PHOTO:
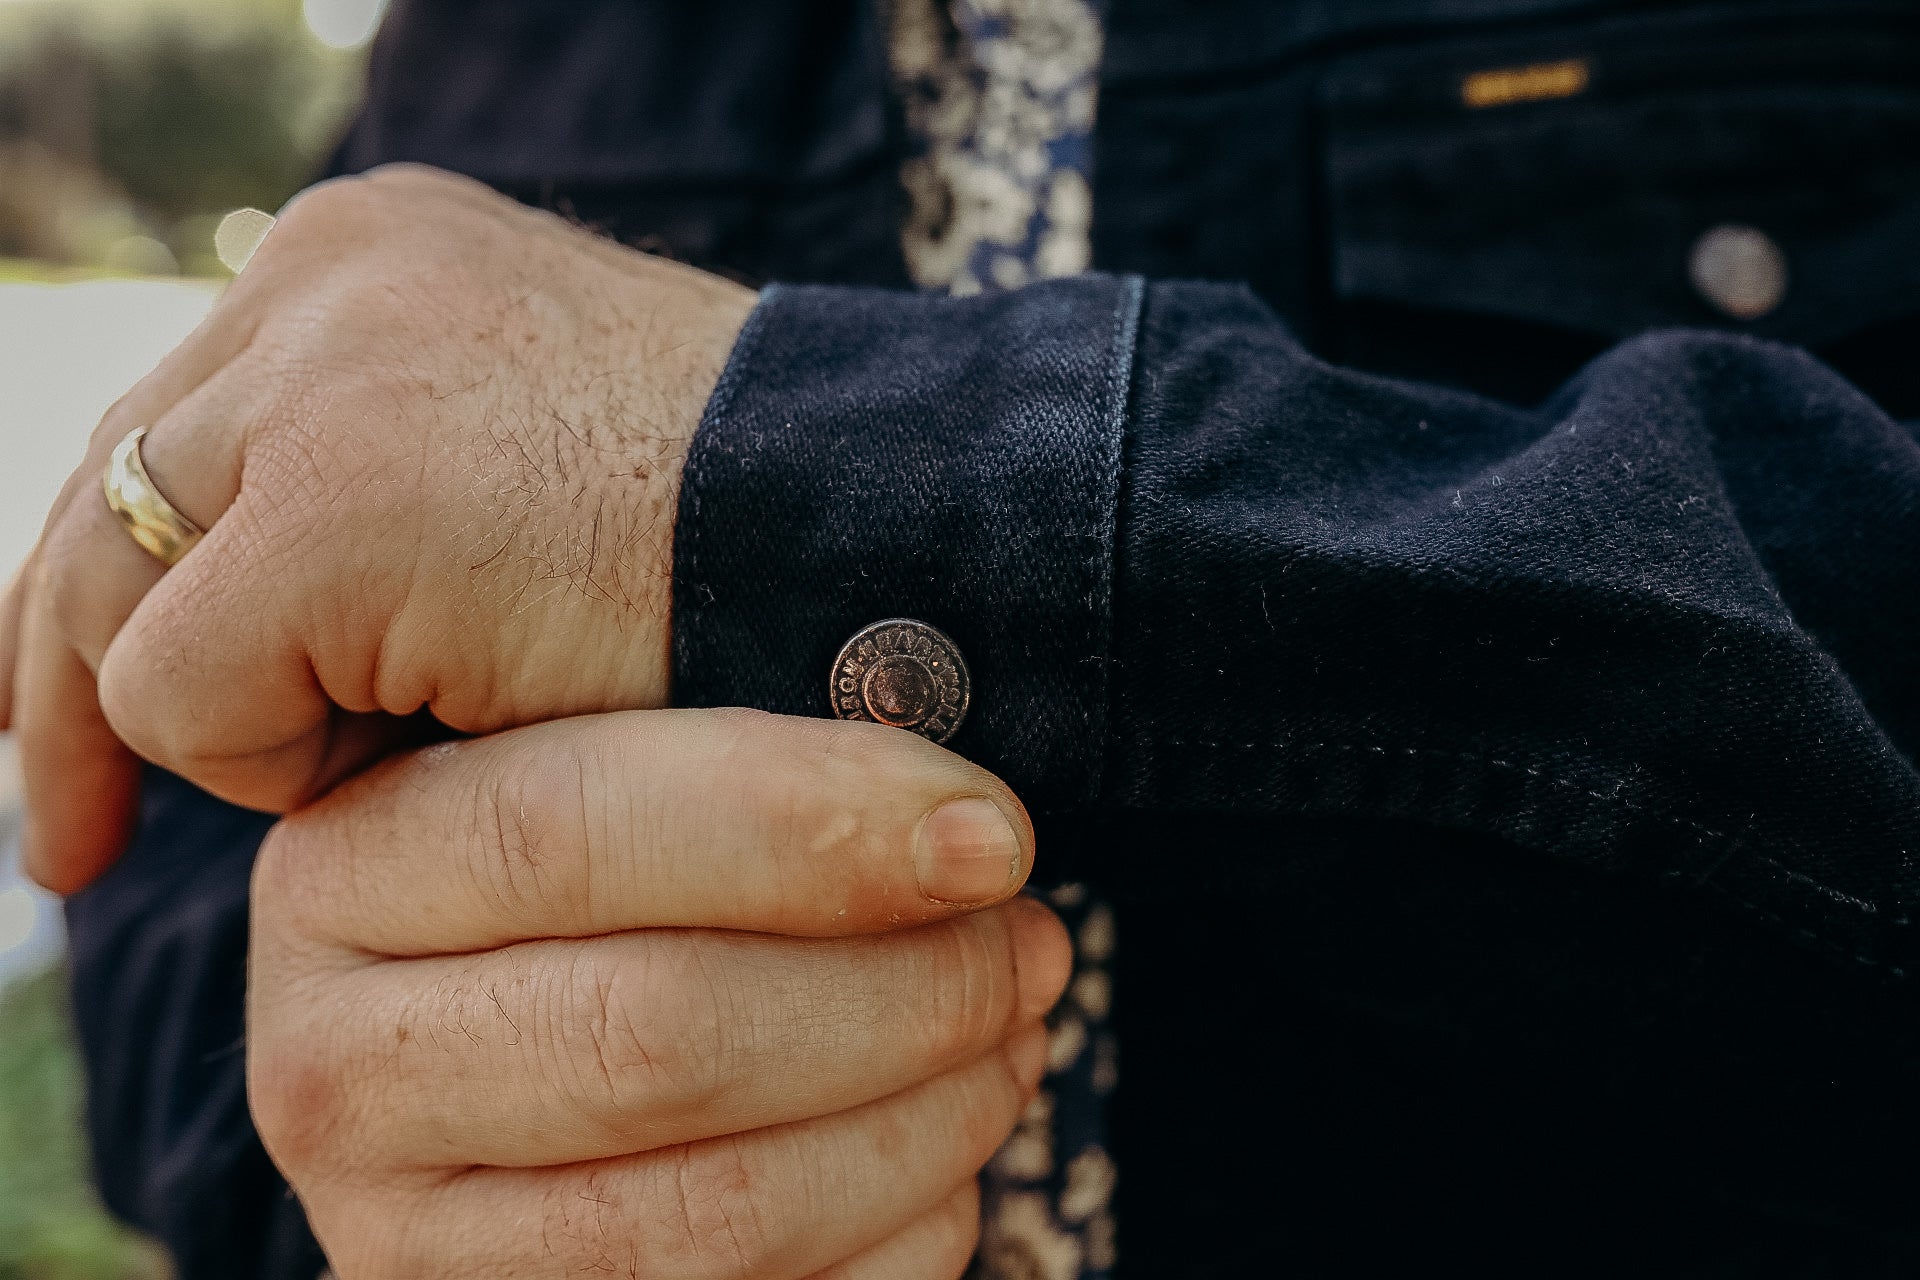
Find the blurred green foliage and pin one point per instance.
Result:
(128, 127)
(51, 1225)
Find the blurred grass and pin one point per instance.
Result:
(51, 1224)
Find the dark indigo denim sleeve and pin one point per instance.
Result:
(1662, 623)
(876, 454)
(159, 949)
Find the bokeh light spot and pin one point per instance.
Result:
(238, 235)
(344, 24)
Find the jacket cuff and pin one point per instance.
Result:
(869, 455)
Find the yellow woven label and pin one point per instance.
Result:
(1504, 86)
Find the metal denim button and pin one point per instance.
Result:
(904, 673)
(1739, 270)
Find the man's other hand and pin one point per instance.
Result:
(696, 994)
(435, 439)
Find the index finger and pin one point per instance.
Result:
(644, 819)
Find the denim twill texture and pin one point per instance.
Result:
(1608, 629)
(978, 442)
(159, 959)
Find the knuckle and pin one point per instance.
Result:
(579, 1211)
(128, 704)
(63, 579)
(278, 888)
(151, 681)
(329, 210)
(825, 803)
(711, 1220)
(303, 881)
(411, 176)
(858, 749)
(691, 1213)
(532, 854)
(302, 1082)
(298, 1090)
(368, 1238)
(117, 420)
(622, 1056)
(652, 1039)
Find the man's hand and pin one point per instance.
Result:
(435, 439)
(517, 1005)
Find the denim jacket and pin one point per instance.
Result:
(1459, 609)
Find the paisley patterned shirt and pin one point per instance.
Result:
(999, 99)
(1046, 1199)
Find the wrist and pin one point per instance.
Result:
(680, 327)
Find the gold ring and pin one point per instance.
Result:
(155, 523)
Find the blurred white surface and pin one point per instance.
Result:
(67, 351)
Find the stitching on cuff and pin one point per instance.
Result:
(1120, 368)
(685, 569)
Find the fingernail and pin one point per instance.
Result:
(966, 852)
(1027, 1055)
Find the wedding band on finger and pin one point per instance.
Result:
(155, 523)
